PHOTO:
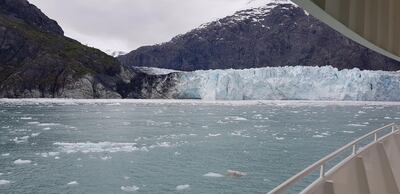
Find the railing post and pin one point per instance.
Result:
(354, 149)
(322, 171)
(375, 136)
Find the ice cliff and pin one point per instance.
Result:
(288, 83)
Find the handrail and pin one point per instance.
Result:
(321, 164)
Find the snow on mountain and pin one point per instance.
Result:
(255, 10)
(289, 83)
(114, 53)
(260, 3)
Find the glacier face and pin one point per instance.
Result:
(289, 83)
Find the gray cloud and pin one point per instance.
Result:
(128, 24)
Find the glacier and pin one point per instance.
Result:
(289, 83)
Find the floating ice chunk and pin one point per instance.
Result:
(236, 118)
(106, 157)
(4, 182)
(214, 175)
(325, 134)
(90, 147)
(19, 140)
(318, 136)
(387, 118)
(234, 173)
(33, 123)
(348, 132)
(129, 188)
(73, 183)
(361, 112)
(48, 124)
(126, 177)
(114, 104)
(182, 187)
(279, 138)
(20, 161)
(35, 134)
(26, 118)
(5, 154)
(356, 125)
(162, 145)
(46, 128)
(214, 135)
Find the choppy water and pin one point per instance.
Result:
(172, 147)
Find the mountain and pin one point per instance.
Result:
(36, 60)
(277, 34)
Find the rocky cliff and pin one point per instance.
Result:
(36, 60)
(278, 34)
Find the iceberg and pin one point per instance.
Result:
(289, 83)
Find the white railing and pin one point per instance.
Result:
(321, 164)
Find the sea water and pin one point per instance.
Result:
(69, 146)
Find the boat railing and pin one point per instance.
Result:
(322, 164)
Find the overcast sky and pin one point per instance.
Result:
(124, 25)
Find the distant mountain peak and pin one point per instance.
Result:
(261, 3)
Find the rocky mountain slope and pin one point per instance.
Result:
(278, 34)
(36, 60)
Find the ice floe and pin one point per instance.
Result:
(90, 147)
(132, 188)
(19, 140)
(235, 118)
(20, 161)
(5, 154)
(48, 124)
(35, 134)
(235, 173)
(73, 183)
(356, 125)
(106, 157)
(33, 123)
(182, 187)
(214, 135)
(213, 174)
(4, 182)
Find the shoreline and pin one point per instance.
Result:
(33, 101)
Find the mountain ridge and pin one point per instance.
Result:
(278, 34)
